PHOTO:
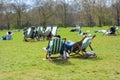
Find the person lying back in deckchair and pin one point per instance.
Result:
(76, 47)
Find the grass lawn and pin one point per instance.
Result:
(21, 60)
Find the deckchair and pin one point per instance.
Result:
(55, 46)
(47, 31)
(54, 30)
(39, 32)
(81, 45)
(29, 33)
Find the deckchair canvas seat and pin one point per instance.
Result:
(29, 33)
(86, 42)
(47, 31)
(39, 30)
(55, 46)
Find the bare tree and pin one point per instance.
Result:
(45, 11)
(87, 8)
(116, 9)
(19, 7)
(66, 12)
(1, 13)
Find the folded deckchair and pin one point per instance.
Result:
(54, 30)
(55, 46)
(81, 45)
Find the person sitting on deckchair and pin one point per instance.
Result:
(73, 46)
(56, 45)
(81, 45)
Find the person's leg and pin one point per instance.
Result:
(4, 37)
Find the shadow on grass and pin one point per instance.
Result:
(60, 61)
(89, 58)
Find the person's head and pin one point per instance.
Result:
(85, 33)
(9, 32)
(58, 36)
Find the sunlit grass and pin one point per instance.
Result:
(21, 60)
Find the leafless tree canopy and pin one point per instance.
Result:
(23, 13)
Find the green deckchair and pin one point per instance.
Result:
(39, 32)
(55, 46)
(29, 33)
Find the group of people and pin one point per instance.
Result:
(8, 36)
(71, 46)
(113, 30)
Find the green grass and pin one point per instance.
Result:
(21, 60)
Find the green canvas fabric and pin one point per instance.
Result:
(29, 33)
(56, 45)
(39, 30)
(47, 31)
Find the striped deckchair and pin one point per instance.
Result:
(39, 29)
(56, 45)
(47, 31)
(86, 42)
(39, 32)
(82, 45)
(54, 30)
(29, 33)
